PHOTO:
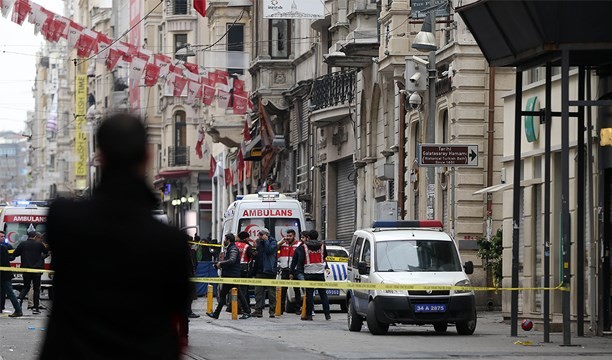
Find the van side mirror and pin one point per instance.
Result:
(469, 267)
(363, 268)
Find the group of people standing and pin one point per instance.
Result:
(265, 258)
(33, 252)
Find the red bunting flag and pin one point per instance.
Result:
(200, 7)
(74, 32)
(240, 158)
(240, 102)
(221, 77)
(229, 178)
(113, 58)
(192, 68)
(208, 95)
(179, 85)
(84, 45)
(224, 99)
(238, 85)
(20, 11)
(151, 74)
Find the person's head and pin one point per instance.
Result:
(290, 235)
(38, 237)
(304, 235)
(122, 144)
(229, 238)
(243, 236)
(313, 234)
(32, 234)
(263, 234)
(2, 236)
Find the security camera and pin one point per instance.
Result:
(420, 60)
(415, 101)
(415, 78)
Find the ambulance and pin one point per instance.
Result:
(16, 220)
(271, 210)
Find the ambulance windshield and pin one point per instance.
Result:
(278, 226)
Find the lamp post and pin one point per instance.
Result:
(425, 41)
(176, 203)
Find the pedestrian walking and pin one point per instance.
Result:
(265, 268)
(6, 278)
(286, 249)
(246, 261)
(33, 255)
(296, 271)
(137, 291)
(311, 257)
(230, 268)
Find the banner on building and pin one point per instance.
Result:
(291, 9)
(81, 136)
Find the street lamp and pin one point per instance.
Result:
(425, 41)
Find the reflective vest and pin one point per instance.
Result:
(243, 251)
(314, 260)
(285, 253)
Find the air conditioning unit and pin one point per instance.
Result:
(386, 210)
(384, 171)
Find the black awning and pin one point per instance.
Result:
(526, 33)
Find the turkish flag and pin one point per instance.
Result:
(213, 166)
(200, 7)
(247, 131)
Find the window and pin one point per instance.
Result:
(235, 42)
(356, 253)
(366, 256)
(417, 256)
(180, 129)
(180, 7)
(279, 38)
(278, 226)
(180, 40)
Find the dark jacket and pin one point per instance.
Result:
(111, 250)
(32, 254)
(5, 261)
(230, 267)
(265, 258)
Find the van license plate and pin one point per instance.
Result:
(429, 308)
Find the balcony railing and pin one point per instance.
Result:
(333, 89)
(178, 156)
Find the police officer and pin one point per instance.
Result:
(286, 249)
(246, 260)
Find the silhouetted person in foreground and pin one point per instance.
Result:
(121, 277)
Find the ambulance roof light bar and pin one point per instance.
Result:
(268, 195)
(381, 224)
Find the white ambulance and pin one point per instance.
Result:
(271, 210)
(16, 220)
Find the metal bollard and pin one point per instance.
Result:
(234, 304)
(209, 299)
(279, 300)
(304, 304)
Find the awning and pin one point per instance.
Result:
(502, 187)
(176, 174)
(528, 33)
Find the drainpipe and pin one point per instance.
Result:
(401, 156)
(490, 149)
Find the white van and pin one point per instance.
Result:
(272, 210)
(414, 253)
(15, 221)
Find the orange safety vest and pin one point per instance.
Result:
(243, 250)
(285, 253)
(314, 261)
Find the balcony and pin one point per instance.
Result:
(178, 156)
(180, 15)
(179, 7)
(332, 95)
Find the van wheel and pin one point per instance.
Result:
(355, 321)
(440, 327)
(376, 327)
(466, 327)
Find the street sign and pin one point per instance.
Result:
(448, 155)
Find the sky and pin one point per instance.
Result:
(18, 47)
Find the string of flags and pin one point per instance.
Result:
(145, 68)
